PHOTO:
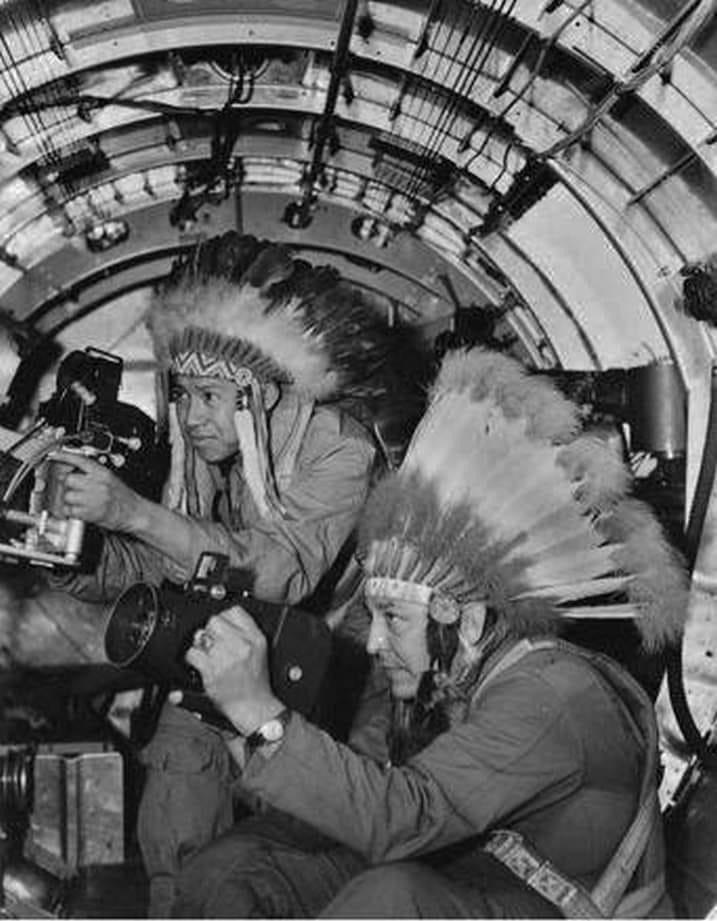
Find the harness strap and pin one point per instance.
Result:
(573, 900)
(611, 886)
(521, 858)
(641, 902)
(606, 898)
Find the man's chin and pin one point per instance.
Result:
(207, 456)
(403, 686)
(209, 452)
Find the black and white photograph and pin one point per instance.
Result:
(358, 446)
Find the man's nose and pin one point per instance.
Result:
(376, 636)
(195, 412)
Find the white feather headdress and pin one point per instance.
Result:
(501, 499)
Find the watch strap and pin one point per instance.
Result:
(258, 738)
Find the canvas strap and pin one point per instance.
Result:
(573, 900)
(606, 898)
(514, 852)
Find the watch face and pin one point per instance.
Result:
(273, 730)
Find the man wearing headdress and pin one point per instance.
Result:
(257, 344)
(518, 777)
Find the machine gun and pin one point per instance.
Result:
(83, 416)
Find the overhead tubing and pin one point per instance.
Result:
(205, 114)
(457, 71)
(526, 24)
(301, 214)
(492, 126)
(545, 46)
(552, 39)
(345, 203)
(483, 42)
(226, 128)
(12, 77)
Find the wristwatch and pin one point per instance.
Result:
(269, 732)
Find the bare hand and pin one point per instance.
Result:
(230, 654)
(91, 492)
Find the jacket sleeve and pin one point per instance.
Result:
(287, 556)
(122, 562)
(508, 750)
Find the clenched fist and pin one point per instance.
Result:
(230, 654)
(93, 493)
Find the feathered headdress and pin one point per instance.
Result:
(247, 311)
(501, 499)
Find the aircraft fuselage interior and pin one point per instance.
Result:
(537, 177)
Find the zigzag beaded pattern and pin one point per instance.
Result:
(195, 364)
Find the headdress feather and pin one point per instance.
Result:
(501, 498)
(235, 301)
(248, 311)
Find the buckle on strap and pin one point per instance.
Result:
(510, 848)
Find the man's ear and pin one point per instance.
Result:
(271, 393)
(472, 621)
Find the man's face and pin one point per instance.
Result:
(205, 409)
(398, 638)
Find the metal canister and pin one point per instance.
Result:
(657, 409)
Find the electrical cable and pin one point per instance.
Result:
(36, 52)
(494, 25)
(500, 21)
(27, 467)
(26, 436)
(27, 115)
(225, 133)
(411, 177)
(693, 534)
(546, 46)
(324, 126)
(435, 139)
(485, 41)
(418, 51)
(457, 66)
(9, 77)
(511, 143)
(64, 111)
(426, 81)
(427, 85)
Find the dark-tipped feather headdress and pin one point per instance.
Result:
(248, 311)
(501, 499)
